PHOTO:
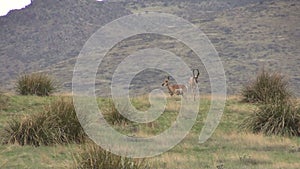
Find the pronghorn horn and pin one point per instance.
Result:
(194, 72)
(197, 72)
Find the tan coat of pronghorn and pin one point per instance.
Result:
(193, 81)
(174, 89)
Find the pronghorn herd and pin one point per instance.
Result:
(179, 89)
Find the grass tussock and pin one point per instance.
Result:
(94, 156)
(277, 114)
(267, 88)
(112, 114)
(57, 124)
(3, 101)
(278, 119)
(35, 84)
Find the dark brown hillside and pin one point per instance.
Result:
(248, 34)
(48, 32)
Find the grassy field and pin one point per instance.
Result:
(229, 147)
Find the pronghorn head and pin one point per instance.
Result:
(196, 74)
(174, 88)
(166, 82)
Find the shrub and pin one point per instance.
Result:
(94, 156)
(267, 88)
(279, 119)
(57, 124)
(35, 84)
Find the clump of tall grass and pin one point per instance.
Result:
(62, 118)
(267, 88)
(3, 101)
(113, 115)
(274, 119)
(26, 131)
(277, 113)
(57, 124)
(35, 84)
(93, 156)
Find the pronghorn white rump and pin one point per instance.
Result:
(193, 82)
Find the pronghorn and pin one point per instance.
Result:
(174, 89)
(193, 82)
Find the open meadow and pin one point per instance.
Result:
(246, 49)
(229, 146)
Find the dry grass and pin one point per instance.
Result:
(93, 156)
(58, 156)
(281, 165)
(173, 160)
(258, 141)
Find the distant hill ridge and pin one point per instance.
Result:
(248, 34)
(49, 31)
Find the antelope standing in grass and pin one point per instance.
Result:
(193, 82)
(174, 89)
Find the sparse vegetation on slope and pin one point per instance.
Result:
(246, 34)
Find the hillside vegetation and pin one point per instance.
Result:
(246, 34)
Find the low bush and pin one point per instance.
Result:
(94, 156)
(267, 88)
(56, 125)
(274, 119)
(35, 84)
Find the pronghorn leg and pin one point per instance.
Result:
(194, 93)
